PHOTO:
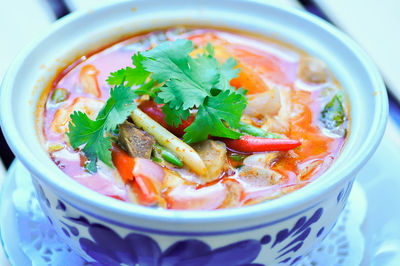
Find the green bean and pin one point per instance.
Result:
(168, 155)
(59, 95)
(257, 132)
(237, 157)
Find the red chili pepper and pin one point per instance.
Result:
(248, 143)
(153, 110)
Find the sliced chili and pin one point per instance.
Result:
(249, 144)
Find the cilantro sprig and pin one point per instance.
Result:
(182, 83)
(92, 133)
(192, 83)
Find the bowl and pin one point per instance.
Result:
(112, 232)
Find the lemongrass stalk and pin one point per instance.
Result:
(188, 155)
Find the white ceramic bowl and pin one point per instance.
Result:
(113, 232)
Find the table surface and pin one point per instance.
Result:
(21, 21)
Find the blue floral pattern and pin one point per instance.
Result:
(137, 249)
(107, 247)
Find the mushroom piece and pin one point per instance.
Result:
(313, 71)
(266, 103)
(259, 177)
(213, 154)
(136, 142)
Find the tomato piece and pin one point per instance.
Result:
(154, 110)
(123, 162)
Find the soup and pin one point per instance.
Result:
(195, 119)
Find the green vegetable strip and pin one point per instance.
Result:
(59, 95)
(333, 113)
(257, 132)
(237, 157)
(168, 155)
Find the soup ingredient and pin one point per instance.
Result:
(237, 157)
(154, 110)
(59, 95)
(256, 131)
(62, 117)
(92, 133)
(123, 162)
(265, 104)
(188, 155)
(88, 80)
(168, 155)
(148, 179)
(249, 79)
(234, 195)
(259, 177)
(213, 154)
(333, 113)
(136, 142)
(205, 198)
(249, 144)
(200, 83)
(227, 107)
(313, 71)
(130, 76)
(146, 175)
(262, 160)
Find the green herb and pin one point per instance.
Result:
(59, 95)
(93, 133)
(130, 76)
(257, 132)
(189, 83)
(171, 76)
(225, 107)
(196, 83)
(333, 113)
(237, 157)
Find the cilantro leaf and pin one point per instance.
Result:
(226, 107)
(174, 116)
(188, 80)
(228, 71)
(148, 88)
(93, 133)
(130, 76)
(83, 130)
(196, 82)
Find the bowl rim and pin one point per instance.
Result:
(102, 203)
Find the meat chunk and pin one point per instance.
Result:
(259, 177)
(234, 194)
(213, 154)
(266, 103)
(261, 160)
(136, 142)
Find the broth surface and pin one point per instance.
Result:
(287, 91)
